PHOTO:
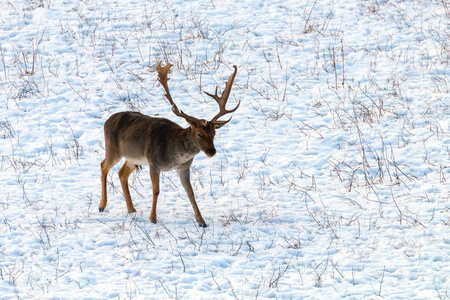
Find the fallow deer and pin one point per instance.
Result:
(161, 144)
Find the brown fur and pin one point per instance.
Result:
(157, 142)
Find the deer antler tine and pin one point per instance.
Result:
(162, 78)
(222, 100)
(215, 96)
(234, 109)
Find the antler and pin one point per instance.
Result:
(222, 101)
(162, 78)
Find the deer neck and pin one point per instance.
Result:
(187, 145)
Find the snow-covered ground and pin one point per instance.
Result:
(331, 180)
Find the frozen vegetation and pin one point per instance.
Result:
(330, 182)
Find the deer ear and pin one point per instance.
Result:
(219, 124)
(197, 123)
(192, 123)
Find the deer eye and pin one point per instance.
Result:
(200, 135)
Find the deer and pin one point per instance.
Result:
(161, 144)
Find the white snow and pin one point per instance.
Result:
(331, 180)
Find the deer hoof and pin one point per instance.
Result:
(101, 209)
(202, 225)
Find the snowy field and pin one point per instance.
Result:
(330, 182)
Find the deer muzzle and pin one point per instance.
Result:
(210, 152)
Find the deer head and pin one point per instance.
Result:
(202, 131)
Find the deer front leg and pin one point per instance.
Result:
(154, 176)
(186, 182)
(124, 173)
(104, 198)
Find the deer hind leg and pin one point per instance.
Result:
(124, 173)
(154, 176)
(104, 199)
(186, 182)
(111, 159)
